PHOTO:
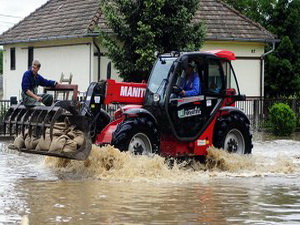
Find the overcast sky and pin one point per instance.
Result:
(12, 11)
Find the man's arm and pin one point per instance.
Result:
(195, 90)
(26, 81)
(46, 83)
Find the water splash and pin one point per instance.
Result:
(223, 161)
(110, 164)
(254, 164)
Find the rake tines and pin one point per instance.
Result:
(38, 123)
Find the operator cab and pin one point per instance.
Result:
(188, 117)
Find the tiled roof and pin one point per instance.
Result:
(60, 19)
(225, 23)
(56, 19)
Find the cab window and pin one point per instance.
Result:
(214, 79)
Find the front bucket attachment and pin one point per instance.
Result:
(56, 130)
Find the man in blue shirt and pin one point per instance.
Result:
(191, 85)
(30, 82)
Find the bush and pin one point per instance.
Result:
(283, 119)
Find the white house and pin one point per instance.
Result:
(60, 34)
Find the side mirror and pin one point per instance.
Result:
(240, 97)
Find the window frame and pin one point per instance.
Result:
(12, 58)
(30, 56)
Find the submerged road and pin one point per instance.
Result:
(114, 187)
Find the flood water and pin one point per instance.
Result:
(118, 188)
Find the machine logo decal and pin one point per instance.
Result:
(208, 103)
(201, 142)
(127, 91)
(183, 113)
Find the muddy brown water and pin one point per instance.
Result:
(114, 187)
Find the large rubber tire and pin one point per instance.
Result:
(232, 133)
(138, 135)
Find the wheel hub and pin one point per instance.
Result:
(138, 148)
(140, 144)
(234, 142)
(232, 145)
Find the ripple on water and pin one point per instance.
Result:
(216, 192)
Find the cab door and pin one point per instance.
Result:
(189, 116)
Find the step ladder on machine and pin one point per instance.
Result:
(64, 94)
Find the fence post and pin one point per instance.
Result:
(255, 114)
(13, 100)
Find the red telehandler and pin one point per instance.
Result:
(152, 118)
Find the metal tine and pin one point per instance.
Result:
(47, 119)
(5, 120)
(57, 114)
(18, 119)
(14, 121)
(39, 119)
(7, 117)
(31, 120)
(24, 120)
(10, 112)
(12, 116)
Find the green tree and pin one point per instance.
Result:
(282, 18)
(283, 119)
(142, 27)
(256, 10)
(283, 66)
(1, 61)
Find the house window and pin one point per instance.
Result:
(12, 59)
(30, 56)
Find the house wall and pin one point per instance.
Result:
(80, 57)
(103, 68)
(12, 78)
(247, 66)
(68, 57)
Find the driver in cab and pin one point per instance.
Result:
(191, 83)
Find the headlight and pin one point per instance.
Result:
(156, 97)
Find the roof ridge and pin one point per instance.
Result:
(94, 20)
(26, 17)
(259, 26)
